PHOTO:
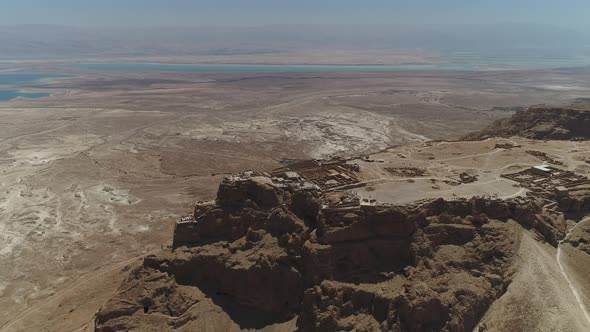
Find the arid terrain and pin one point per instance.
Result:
(441, 236)
(93, 178)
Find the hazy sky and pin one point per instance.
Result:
(568, 13)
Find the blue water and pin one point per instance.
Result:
(144, 66)
(11, 94)
(454, 61)
(542, 59)
(20, 79)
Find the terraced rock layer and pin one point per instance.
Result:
(274, 259)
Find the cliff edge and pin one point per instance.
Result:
(544, 123)
(271, 251)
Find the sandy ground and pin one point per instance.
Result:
(75, 203)
(93, 178)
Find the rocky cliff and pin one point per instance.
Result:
(559, 123)
(328, 263)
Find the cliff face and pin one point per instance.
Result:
(540, 123)
(276, 253)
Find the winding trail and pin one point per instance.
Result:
(570, 284)
(471, 155)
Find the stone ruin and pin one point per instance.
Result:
(568, 191)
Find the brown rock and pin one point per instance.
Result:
(540, 123)
(270, 252)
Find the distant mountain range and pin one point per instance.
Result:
(43, 41)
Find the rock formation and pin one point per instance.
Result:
(557, 123)
(331, 263)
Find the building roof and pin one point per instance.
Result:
(542, 168)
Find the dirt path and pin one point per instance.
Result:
(539, 298)
(565, 275)
(472, 155)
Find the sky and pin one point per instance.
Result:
(143, 13)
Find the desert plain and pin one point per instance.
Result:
(93, 177)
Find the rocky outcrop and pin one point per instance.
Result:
(540, 123)
(579, 238)
(434, 266)
(576, 202)
(257, 191)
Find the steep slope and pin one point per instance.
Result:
(540, 123)
(538, 298)
(267, 256)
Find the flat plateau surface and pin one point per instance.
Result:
(93, 178)
(440, 165)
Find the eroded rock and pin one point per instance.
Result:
(433, 266)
